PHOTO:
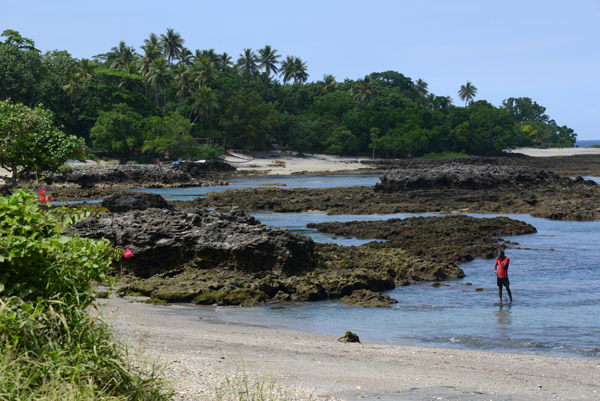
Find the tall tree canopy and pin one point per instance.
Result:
(258, 100)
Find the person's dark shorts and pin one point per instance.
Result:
(502, 281)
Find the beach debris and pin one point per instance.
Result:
(349, 337)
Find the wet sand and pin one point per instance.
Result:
(200, 351)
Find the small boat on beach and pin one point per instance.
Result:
(233, 153)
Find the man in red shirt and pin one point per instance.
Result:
(501, 270)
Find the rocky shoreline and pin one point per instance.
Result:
(228, 258)
(187, 252)
(443, 188)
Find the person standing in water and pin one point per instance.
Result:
(501, 270)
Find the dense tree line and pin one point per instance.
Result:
(168, 100)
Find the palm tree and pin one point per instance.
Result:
(467, 92)
(172, 44)
(225, 62)
(158, 78)
(293, 68)
(83, 71)
(151, 53)
(186, 56)
(442, 102)
(152, 39)
(205, 103)
(363, 91)
(329, 84)
(120, 56)
(267, 58)
(205, 71)
(85, 68)
(422, 87)
(247, 62)
(182, 80)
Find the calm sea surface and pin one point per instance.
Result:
(555, 281)
(586, 143)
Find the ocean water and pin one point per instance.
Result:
(554, 276)
(586, 143)
(555, 281)
(286, 182)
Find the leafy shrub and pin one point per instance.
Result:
(49, 342)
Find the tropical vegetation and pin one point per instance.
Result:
(165, 99)
(52, 347)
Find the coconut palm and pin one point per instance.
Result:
(362, 91)
(205, 71)
(152, 39)
(329, 84)
(247, 62)
(225, 62)
(151, 52)
(83, 71)
(204, 104)
(172, 44)
(267, 58)
(121, 55)
(467, 92)
(158, 78)
(183, 81)
(421, 87)
(186, 56)
(293, 68)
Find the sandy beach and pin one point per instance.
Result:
(315, 163)
(308, 164)
(288, 164)
(534, 152)
(200, 351)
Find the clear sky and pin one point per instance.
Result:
(548, 50)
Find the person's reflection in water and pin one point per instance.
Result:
(504, 315)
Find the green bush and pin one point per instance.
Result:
(50, 344)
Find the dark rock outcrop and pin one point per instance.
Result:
(163, 241)
(368, 299)
(463, 176)
(563, 198)
(142, 175)
(127, 201)
(455, 238)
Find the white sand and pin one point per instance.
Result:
(285, 165)
(533, 152)
(200, 351)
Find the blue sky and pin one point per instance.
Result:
(546, 50)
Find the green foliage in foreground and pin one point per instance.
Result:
(51, 347)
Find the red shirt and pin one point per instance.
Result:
(502, 272)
